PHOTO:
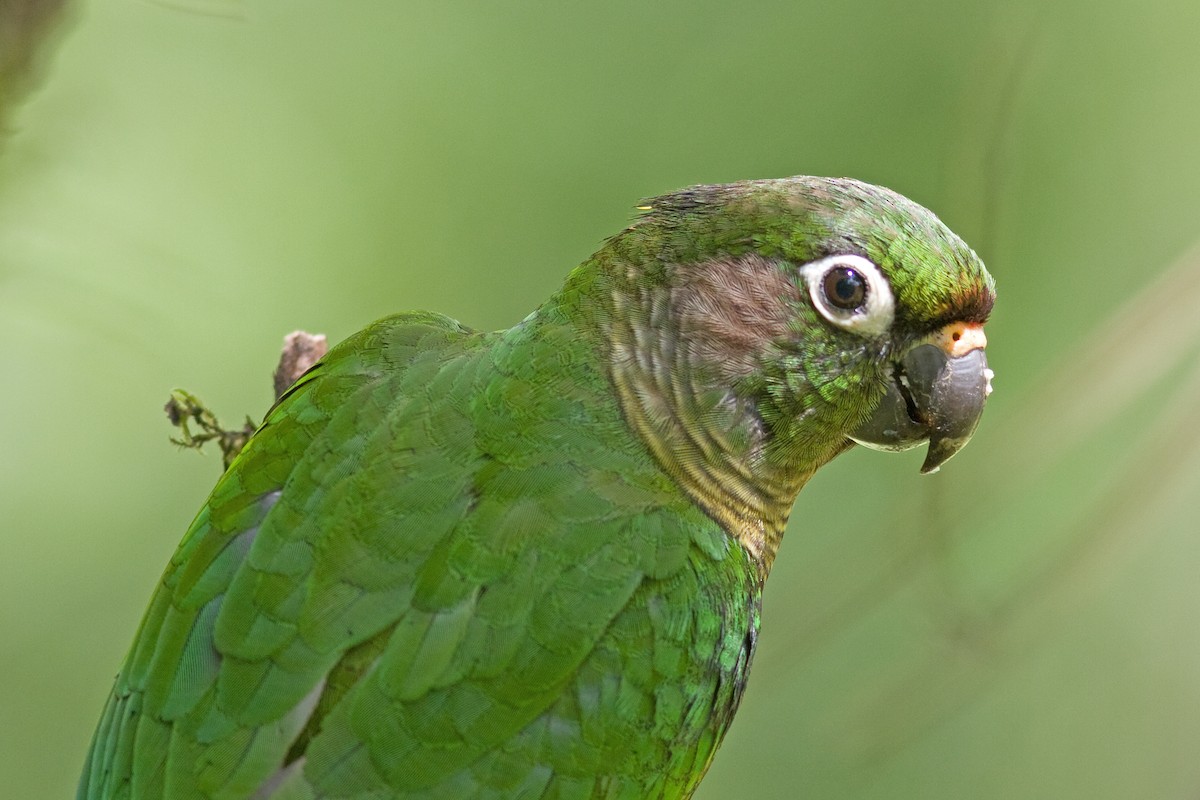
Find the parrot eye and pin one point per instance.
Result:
(845, 288)
(850, 292)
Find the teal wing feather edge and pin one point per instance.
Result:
(441, 568)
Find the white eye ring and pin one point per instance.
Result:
(874, 316)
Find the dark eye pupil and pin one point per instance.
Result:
(845, 287)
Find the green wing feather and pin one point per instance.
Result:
(441, 568)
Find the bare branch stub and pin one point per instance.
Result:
(300, 351)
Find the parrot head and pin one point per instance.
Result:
(888, 329)
(756, 330)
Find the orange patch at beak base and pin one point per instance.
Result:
(959, 338)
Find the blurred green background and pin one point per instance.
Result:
(191, 179)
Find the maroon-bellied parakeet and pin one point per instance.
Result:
(529, 563)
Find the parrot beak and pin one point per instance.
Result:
(937, 393)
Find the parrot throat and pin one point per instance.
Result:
(676, 352)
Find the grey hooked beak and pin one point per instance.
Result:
(937, 393)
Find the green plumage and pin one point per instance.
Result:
(453, 564)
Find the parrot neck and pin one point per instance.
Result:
(712, 445)
(676, 351)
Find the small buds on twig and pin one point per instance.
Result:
(184, 410)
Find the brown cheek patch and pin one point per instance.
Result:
(731, 310)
